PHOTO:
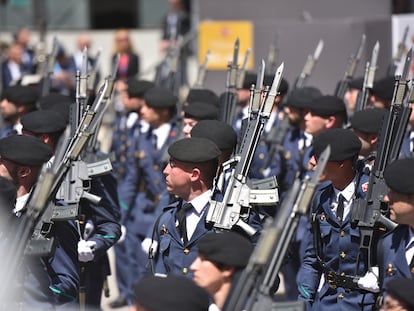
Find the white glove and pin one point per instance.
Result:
(147, 244)
(369, 281)
(123, 234)
(86, 250)
(89, 228)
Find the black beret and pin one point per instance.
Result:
(43, 122)
(204, 96)
(327, 105)
(8, 193)
(160, 97)
(249, 79)
(399, 176)
(302, 97)
(194, 150)
(227, 248)
(402, 289)
(25, 150)
(368, 120)
(21, 95)
(384, 88)
(221, 133)
(201, 111)
(283, 87)
(173, 293)
(356, 83)
(56, 102)
(345, 144)
(137, 88)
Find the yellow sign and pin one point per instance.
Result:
(219, 37)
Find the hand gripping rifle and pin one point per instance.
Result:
(369, 77)
(342, 85)
(228, 99)
(370, 214)
(309, 65)
(256, 286)
(392, 67)
(233, 210)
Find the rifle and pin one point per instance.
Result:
(40, 50)
(257, 281)
(309, 65)
(273, 54)
(233, 210)
(201, 75)
(242, 71)
(275, 138)
(369, 77)
(229, 98)
(368, 214)
(48, 69)
(392, 67)
(342, 85)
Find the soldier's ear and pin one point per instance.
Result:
(195, 174)
(23, 171)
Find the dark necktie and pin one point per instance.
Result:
(340, 208)
(182, 222)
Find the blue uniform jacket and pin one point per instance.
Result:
(394, 263)
(339, 251)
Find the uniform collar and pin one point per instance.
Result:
(200, 202)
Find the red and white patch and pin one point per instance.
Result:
(364, 187)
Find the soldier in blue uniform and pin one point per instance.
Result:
(382, 93)
(189, 175)
(100, 228)
(48, 282)
(332, 244)
(400, 293)
(144, 181)
(396, 250)
(126, 132)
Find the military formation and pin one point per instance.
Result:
(193, 190)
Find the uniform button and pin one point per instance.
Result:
(185, 271)
(342, 234)
(341, 296)
(156, 167)
(342, 255)
(186, 251)
(261, 156)
(342, 273)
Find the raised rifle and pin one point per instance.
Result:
(239, 196)
(309, 65)
(369, 77)
(201, 74)
(255, 288)
(370, 214)
(242, 70)
(392, 67)
(273, 55)
(40, 49)
(342, 85)
(228, 99)
(48, 68)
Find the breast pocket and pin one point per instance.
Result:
(325, 232)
